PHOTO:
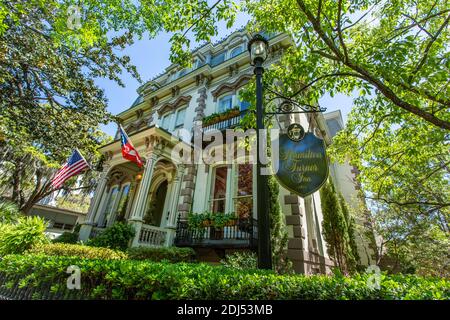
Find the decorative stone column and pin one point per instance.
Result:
(187, 192)
(296, 244)
(87, 225)
(175, 197)
(138, 211)
(201, 106)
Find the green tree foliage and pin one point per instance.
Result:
(338, 229)
(394, 54)
(404, 171)
(398, 48)
(352, 255)
(278, 233)
(74, 201)
(50, 54)
(9, 213)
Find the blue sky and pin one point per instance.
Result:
(151, 57)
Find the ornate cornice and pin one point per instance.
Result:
(174, 105)
(230, 87)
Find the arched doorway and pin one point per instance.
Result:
(156, 206)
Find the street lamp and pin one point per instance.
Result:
(258, 48)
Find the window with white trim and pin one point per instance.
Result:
(236, 51)
(225, 103)
(166, 121)
(122, 205)
(219, 189)
(110, 204)
(243, 198)
(217, 59)
(179, 120)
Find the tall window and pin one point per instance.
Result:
(122, 206)
(110, 204)
(236, 51)
(179, 121)
(225, 103)
(243, 200)
(219, 192)
(166, 120)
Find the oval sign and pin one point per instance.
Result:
(302, 165)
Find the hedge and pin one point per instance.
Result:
(45, 277)
(170, 254)
(77, 250)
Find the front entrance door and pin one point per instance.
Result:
(157, 204)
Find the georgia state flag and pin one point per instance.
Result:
(128, 151)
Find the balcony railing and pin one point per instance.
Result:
(225, 124)
(241, 235)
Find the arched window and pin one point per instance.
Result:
(123, 202)
(109, 205)
(236, 51)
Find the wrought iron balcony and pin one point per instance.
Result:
(228, 123)
(242, 234)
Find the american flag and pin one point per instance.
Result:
(74, 166)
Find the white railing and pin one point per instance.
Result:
(152, 236)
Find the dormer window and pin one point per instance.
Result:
(236, 51)
(182, 73)
(218, 59)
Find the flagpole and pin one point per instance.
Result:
(89, 165)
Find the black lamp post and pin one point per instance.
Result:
(258, 48)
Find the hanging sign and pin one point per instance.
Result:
(302, 163)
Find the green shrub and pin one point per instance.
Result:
(9, 213)
(68, 237)
(117, 236)
(77, 250)
(27, 232)
(131, 279)
(171, 254)
(241, 260)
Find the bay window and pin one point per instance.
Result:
(232, 190)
